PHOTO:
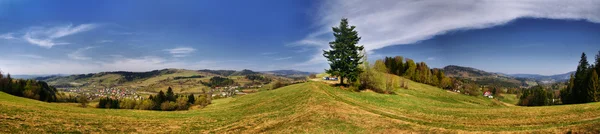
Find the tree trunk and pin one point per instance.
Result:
(341, 80)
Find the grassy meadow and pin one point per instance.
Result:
(312, 107)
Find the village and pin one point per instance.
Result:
(114, 93)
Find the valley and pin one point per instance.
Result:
(312, 107)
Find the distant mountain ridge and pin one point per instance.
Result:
(288, 73)
(486, 78)
(545, 78)
(181, 80)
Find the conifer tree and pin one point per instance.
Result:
(191, 99)
(170, 95)
(579, 90)
(566, 94)
(344, 55)
(593, 87)
(400, 65)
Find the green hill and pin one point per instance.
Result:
(487, 78)
(312, 107)
(181, 80)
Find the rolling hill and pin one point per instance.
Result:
(312, 107)
(546, 79)
(289, 73)
(486, 78)
(181, 80)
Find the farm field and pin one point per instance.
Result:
(312, 107)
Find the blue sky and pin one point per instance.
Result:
(70, 37)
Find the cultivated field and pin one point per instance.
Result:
(312, 107)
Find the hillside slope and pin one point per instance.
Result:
(312, 107)
(181, 80)
(486, 78)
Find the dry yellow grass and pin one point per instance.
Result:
(312, 107)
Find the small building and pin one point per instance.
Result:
(488, 94)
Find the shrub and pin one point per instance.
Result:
(277, 84)
(182, 103)
(202, 100)
(536, 96)
(83, 100)
(146, 105)
(168, 106)
(128, 104)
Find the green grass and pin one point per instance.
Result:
(312, 107)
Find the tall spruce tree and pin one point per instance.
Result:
(400, 67)
(597, 63)
(593, 87)
(170, 95)
(566, 95)
(579, 90)
(344, 55)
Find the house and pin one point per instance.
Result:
(488, 94)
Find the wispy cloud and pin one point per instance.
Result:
(268, 53)
(105, 41)
(395, 22)
(31, 56)
(180, 51)
(7, 36)
(283, 58)
(431, 58)
(79, 54)
(45, 36)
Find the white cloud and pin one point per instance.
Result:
(7, 36)
(268, 53)
(117, 63)
(31, 56)
(105, 41)
(283, 58)
(180, 51)
(431, 58)
(45, 36)
(79, 54)
(395, 22)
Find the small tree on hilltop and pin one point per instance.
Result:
(344, 55)
(83, 100)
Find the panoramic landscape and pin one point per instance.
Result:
(335, 66)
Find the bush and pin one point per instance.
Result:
(535, 96)
(202, 100)
(312, 76)
(146, 105)
(83, 100)
(168, 106)
(128, 104)
(108, 103)
(277, 84)
(182, 103)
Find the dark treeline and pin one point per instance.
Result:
(418, 72)
(583, 86)
(187, 77)
(218, 82)
(168, 101)
(32, 89)
(536, 96)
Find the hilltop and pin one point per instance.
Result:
(181, 80)
(545, 79)
(312, 107)
(485, 78)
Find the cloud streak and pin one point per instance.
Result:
(45, 36)
(7, 36)
(180, 51)
(395, 22)
(78, 54)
